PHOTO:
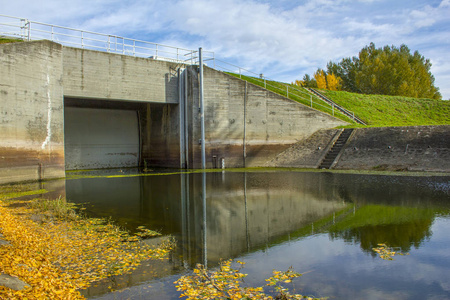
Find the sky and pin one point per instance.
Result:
(283, 39)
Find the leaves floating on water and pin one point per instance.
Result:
(225, 283)
(58, 255)
(387, 253)
(146, 233)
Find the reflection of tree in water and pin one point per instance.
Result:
(371, 225)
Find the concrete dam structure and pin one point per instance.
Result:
(64, 108)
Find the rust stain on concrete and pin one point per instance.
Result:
(15, 157)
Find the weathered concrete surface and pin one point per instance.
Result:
(160, 136)
(413, 148)
(101, 75)
(12, 282)
(36, 77)
(101, 138)
(307, 153)
(31, 111)
(246, 124)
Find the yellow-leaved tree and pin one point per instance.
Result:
(333, 82)
(321, 79)
(327, 81)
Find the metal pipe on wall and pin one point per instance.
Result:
(202, 109)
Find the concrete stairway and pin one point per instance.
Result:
(342, 110)
(331, 156)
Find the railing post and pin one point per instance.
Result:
(264, 82)
(240, 76)
(156, 51)
(311, 99)
(134, 47)
(82, 42)
(29, 30)
(287, 91)
(52, 34)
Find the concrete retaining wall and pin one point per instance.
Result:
(307, 153)
(37, 78)
(413, 148)
(246, 124)
(101, 75)
(31, 111)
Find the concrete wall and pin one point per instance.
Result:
(307, 153)
(413, 148)
(160, 135)
(246, 124)
(101, 75)
(37, 78)
(100, 138)
(131, 80)
(31, 111)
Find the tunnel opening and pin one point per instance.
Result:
(102, 134)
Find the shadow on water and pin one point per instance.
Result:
(216, 216)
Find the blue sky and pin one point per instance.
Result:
(282, 39)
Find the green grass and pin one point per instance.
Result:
(295, 93)
(374, 110)
(4, 40)
(380, 110)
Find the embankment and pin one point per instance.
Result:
(411, 148)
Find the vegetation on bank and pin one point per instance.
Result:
(374, 110)
(57, 253)
(379, 110)
(295, 93)
(5, 40)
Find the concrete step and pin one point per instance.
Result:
(332, 154)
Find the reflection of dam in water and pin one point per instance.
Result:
(243, 211)
(222, 215)
(248, 212)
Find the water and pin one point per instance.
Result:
(323, 224)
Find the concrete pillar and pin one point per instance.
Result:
(31, 111)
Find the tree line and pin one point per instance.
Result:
(385, 71)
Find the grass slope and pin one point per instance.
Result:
(374, 110)
(380, 110)
(295, 93)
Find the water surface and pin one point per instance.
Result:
(323, 223)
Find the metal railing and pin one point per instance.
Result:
(29, 30)
(290, 91)
(344, 111)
